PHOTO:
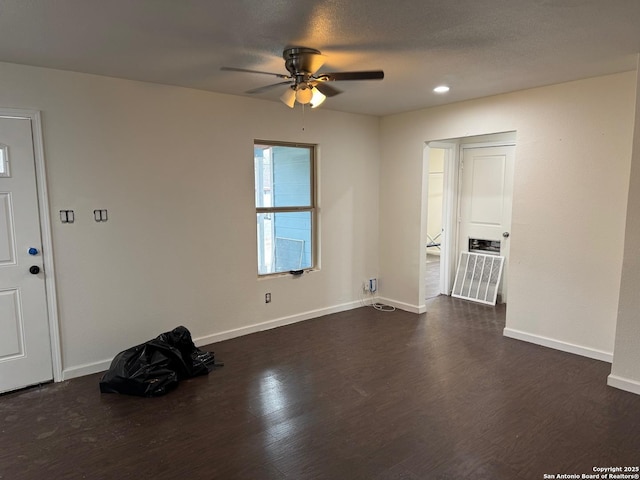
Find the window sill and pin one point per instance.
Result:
(270, 276)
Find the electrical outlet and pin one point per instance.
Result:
(267, 298)
(365, 286)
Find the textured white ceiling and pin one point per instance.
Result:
(478, 47)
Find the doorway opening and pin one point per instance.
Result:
(433, 249)
(475, 205)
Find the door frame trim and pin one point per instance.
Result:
(449, 207)
(34, 116)
(507, 143)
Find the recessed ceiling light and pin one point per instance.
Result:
(441, 89)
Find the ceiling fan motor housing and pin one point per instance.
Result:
(302, 62)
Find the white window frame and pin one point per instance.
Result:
(312, 208)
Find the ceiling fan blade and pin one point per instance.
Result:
(326, 89)
(234, 69)
(267, 87)
(339, 76)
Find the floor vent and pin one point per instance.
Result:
(478, 277)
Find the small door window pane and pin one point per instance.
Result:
(4, 161)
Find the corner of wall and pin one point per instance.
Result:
(625, 371)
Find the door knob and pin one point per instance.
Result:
(505, 234)
(34, 270)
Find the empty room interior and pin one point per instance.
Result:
(284, 180)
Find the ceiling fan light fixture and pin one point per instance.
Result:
(304, 94)
(289, 97)
(317, 98)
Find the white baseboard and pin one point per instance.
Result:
(86, 369)
(278, 322)
(407, 307)
(625, 384)
(559, 345)
(101, 366)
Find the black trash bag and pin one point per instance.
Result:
(155, 367)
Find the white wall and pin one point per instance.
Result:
(570, 192)
(625, 372)
(174, 168)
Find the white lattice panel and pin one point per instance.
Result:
(478, 277)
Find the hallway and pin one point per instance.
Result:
(432, 283)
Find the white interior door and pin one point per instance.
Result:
(25, 344)
(486, 189)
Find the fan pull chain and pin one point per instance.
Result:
(303, 105)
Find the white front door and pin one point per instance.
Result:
(485, 200)
(25, 342)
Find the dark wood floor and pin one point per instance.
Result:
(432, 279)
(356, 395)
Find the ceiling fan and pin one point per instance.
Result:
(306, 86)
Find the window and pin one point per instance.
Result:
(285, 206)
